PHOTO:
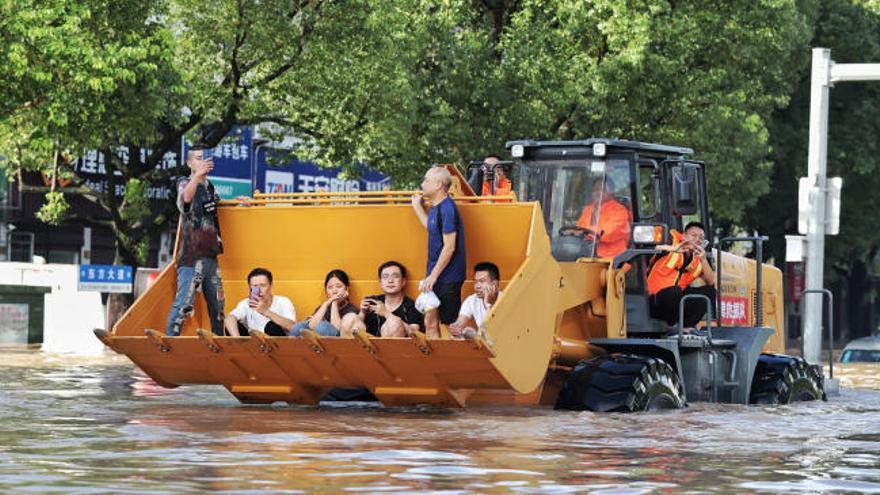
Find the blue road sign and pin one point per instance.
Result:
(105, 278)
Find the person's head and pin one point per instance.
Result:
(603, 189)
(335, 282)
(392, 277)
(437, 182)
(262, 279)
(486, 275)
(695, 233)
(497, 169)
(196, 155)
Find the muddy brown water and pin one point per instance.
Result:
(98, 425)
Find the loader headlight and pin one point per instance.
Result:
(599, 149)
(649, 233)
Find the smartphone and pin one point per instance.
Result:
(255, 294)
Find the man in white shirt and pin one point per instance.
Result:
(475, 308)
(263, 311)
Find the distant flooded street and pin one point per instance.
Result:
(98, 425)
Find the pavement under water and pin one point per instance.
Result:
(98, 425)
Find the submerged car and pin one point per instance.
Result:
(862, 350)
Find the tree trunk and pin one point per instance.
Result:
(118, 303)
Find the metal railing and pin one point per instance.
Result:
(830, 297)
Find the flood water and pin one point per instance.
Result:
(97, 425)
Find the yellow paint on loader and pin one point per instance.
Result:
(539, 327)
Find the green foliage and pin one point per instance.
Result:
(403, 83)
(851, 29)
(54, 209)
(699, 74)
(135, 204)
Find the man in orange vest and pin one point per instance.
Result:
(501, 182)
(671, 275)
(609, 220)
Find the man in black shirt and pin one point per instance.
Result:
(391, 314)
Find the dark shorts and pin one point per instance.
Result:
(450, 301)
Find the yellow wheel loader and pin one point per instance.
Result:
(571, 329)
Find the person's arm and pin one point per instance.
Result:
(584, 219)
(420, 210)
(335, 318)
(319, 314)
(465, 316)
(236, 315)
(200, 171)
(457, 327)
(231, 324)
(282, 321)
(708, 274)
(442, 260)
(382, 310)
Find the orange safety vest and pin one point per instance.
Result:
(670, 269)
(614, 227)
(502, 190)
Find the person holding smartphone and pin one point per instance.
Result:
(200, 244)
(392, 313)
(670, 277)
(261, 310)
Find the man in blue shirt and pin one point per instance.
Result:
(447, 262)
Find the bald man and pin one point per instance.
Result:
(447, 262)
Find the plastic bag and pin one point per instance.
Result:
(427, 301)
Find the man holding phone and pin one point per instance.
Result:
(262, 310)
(670, 277)
(200, 244)
(392, 313)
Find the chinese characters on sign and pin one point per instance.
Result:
(105, 278)
(92, 167)
(734, 311)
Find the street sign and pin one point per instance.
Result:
(105, 278)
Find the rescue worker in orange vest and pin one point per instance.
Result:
(670, 277)
(500, 180)
(609, 220)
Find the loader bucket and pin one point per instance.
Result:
(300, 237)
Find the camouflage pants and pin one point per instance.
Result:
(204, 277)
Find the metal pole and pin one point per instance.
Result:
(759, 260)
(816, 166)
(827, 293)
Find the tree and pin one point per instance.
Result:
(391, 83)
(118, 76)
(699, 74)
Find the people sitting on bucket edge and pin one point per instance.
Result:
(608, 220)
(262, 310)
(670, 277)
(477, 305)
(391, 314)
(337, 315)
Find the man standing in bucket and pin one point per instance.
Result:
(200, 243)
(447, 262)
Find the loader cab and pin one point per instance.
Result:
(587, 188)
(658, 186)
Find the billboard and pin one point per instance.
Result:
(240, 169)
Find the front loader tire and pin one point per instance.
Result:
(621, 383)
(781, 379)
